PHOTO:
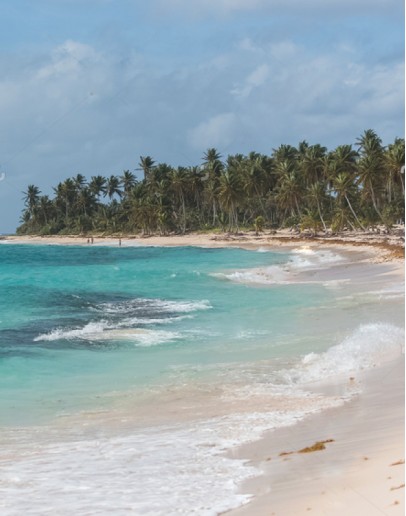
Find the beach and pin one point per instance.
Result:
(355, 413)
(283, 237)
(361, 471)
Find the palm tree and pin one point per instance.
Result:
(194, 177)
(45, 208)
(394, 160)
(311, 221)
(316, 194)
(289, 193)
(312, 163)
(370, 177)
(369, 143)
(284, 152)
(341, 218)
(343, 185)
(342, 159)
(212, 162)
(79, 180)
(144, 214)
(86, 201)
(65, 196)
(230, 193)
(31, 198)
(253, 174)
(128, 181)
(346, 187)
(146, 164)
(302, 148)
(370, 165)
(213, 168)
(177, 185)
(97, 185)
(113, 187)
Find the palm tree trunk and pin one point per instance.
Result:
(402, 171)
(374, 200)
(321, 217)
(184, 214)
(353, 212)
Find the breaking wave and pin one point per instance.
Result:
(152, 305)
(302, 259)
(368, 346)
(100, 331)
(125, 321)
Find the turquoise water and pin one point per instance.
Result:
(126, 374)
(70, 317)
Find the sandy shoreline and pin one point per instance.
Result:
(383, 247)
(359, 472)
(362, 470)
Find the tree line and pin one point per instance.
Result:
(307, 186)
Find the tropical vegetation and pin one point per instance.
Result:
(308, 187)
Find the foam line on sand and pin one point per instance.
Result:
(360, 469)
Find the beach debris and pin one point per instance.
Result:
(397, 487)
(317, 446)
(366, 458)
(398, 463)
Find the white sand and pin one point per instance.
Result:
(354, 475)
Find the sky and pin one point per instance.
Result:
(89, 86)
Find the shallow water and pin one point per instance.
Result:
(126, 373)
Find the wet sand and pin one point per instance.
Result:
(361, 471)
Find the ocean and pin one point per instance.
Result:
(128, 375)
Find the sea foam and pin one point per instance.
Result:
(155, 305)
(160, 471)
(102, 331)
(368, 346)
(302, 259)
(124, 318)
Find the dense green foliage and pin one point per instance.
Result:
(306, 186)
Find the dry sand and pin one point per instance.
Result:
(361, 471)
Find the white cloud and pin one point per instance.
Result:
(217, 131)
(67, 59)
(247, 44)
(255, 79)
(283, 50)
(82, 110)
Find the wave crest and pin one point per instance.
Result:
(302, 259)
(368, 346)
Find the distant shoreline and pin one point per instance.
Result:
(385, 247)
